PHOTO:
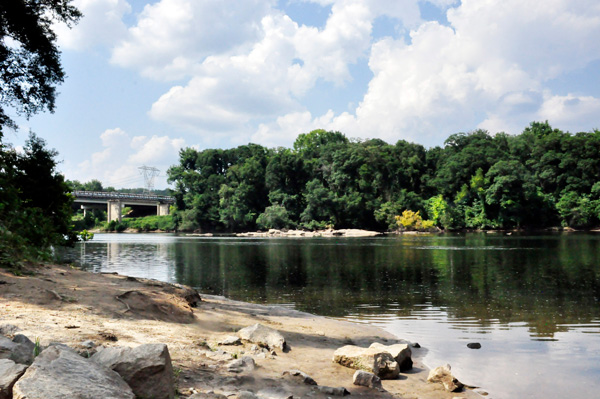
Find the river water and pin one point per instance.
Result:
(532, 301)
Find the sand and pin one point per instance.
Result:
(64, 304)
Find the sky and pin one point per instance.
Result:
(147, 78)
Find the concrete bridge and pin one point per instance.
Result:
(116, 201)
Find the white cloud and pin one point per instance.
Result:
(102, 24)
(489, 68)
(116, 164)
(172, 37)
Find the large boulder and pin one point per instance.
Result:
(443, 375)
(10, 372)
(263, 336)
(377, 361)
(147, 369)
(59, 372)
(19, 349)
(400, 352)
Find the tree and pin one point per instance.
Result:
(35, 203)
(30, 65)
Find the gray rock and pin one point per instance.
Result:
(366, 379)
(59, 373)
(20, 349)
(338, 391)
(300, 376)
(246, 363)
(374, 360)
(88, 344)
(264, 336)
(443, 375)
(147, 369)
(231, 340)
(207, 395)
(9, 329)
(474, 345)
(246, 395)
(10, 372)
(400, 352)
(274, 393)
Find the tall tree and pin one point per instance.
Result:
(30, 65)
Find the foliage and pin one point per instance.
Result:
(85, 235)
(274, 217)
(410, 220)
(29, 58)
(476, 180)
(147, 223)
(35, 204)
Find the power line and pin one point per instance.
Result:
(149, 173)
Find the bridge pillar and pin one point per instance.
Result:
(162, 209)
(114, 210)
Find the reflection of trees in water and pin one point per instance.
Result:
(545, 282)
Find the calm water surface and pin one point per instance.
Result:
(532, 301)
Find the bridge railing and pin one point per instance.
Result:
(121, 196)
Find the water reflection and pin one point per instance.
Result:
(537, 295)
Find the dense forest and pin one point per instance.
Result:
(543, 177)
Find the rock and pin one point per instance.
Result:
(366, 379)
(59, 372)
(474, 345)
(442, 374)
(20, 349)
(88, 344)
(339, 391)
(246, 395)
(415, 345)
(207, 395)
(264, 336)
(300, 376)
(400, 352)
(147, 368)
(219, 355)
(10, 372)
(274, 393)
(9, 329)
(374, 360)
(231, 340)
(246, 363)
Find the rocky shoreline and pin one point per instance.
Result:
(189, 347)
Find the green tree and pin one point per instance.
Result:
(30, 65)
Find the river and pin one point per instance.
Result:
(532, 301)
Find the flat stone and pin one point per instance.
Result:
(300, 376)
(59, 372)
(474, 345)
(246, 395)
(337, 391)
(208, 395)
(146, 368)
(246, 363)
(374, 360)
(263, 336)
(10, 372)
(231, 340)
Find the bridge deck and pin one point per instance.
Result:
(108, 196)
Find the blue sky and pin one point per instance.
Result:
(146, 78)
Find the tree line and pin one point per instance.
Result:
(543, 177)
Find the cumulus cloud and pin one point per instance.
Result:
(489, 68)
(102, 24)
(249, 68)
(172, 37)
(116, 164)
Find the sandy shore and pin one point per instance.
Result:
(62, 304)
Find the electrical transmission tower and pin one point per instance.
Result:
(149, 174)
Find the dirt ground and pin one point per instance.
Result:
(63, 304)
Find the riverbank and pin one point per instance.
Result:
(62, 304)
